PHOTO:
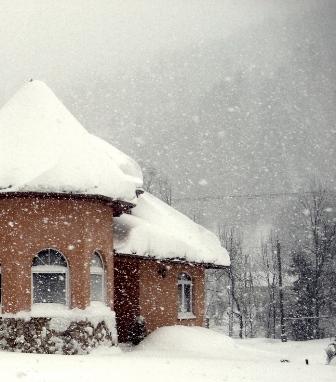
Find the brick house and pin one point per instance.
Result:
(82, 247)
(160, 261)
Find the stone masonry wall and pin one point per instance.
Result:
(35, 335)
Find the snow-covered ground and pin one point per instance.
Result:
(180, 354)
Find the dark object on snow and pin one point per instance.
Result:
(331, 351)
(138, 330)
(284, 360)
(307, 362)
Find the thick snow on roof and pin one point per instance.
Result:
(157, 230)
(44, 148)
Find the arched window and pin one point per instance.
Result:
(185, 295)
(50, 277)
(97, 276)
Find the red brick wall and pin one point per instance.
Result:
(76, 228)
(141, 290)
(126, 295)
(158, 295)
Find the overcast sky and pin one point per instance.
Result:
(59, 41)
(225, 97)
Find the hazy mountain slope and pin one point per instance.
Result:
(252, 112)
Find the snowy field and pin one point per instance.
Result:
(180, 354)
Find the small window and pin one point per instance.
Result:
(97, 276)
(50, 278)
(185, 296)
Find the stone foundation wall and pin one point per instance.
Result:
(36, 335)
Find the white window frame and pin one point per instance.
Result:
(183, 283)
(44, 269)
(97, 270)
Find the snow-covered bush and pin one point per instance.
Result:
(331, 351)
(138, 330)
(74, 332)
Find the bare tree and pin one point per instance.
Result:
(149, 179)
(164, 189)
(216, 296)
(158, 184)
(313, 258)
(232, 241)
(269, 271)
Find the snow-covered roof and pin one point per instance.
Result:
(43, 148)
(154, 229)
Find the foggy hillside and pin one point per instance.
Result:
(226, 98)
(252, 113)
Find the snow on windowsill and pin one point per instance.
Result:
(61, 310)
(49, 269)
(186, 316)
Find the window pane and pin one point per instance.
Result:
(57, 259)
(49, 257)
(184, 276)
(187, 298)
(96, 261)
(180, 298)
(42, 258)
(97, 288)
(49, 288)
(37, 261)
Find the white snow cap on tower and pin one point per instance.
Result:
(44, 148)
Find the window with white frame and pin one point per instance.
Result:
(97, 277)
(185, 296)
(50, 278)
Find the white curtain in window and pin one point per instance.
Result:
(184, 293)
(97, 278)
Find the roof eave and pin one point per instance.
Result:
(119, 206)
(175, 260)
